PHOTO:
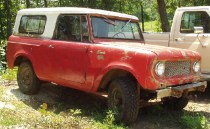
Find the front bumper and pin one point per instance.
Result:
(205, 76)
(179, 91)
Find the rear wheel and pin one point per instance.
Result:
(27, 80)
(175, 103)
(123, 100)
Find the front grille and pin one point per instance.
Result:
(177, 68)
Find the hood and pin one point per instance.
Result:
(160, 51)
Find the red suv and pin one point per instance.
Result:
(100, 51)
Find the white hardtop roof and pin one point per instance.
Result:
(73, 10)
(194, 8)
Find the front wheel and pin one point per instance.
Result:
(175, 103)
(27, 80)
(123, 99)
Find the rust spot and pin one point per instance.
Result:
(183, 54)
(181, 82)
(100, 57)
(100, 54)
(125, 57)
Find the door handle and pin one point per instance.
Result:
(179, 39)
(203, 43)
(50, 46)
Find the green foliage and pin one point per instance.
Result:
(106, 120)
(75, 111)
(3, 62)
(10, 74)
(43, 109)
(109, 119)
(194, 121)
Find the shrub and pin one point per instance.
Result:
(194, 121)
(3, 63)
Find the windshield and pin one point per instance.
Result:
(115, 29)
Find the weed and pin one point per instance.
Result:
(109, 119)
(194, 120)
(43, 109)
(10, 74)
(75, 111)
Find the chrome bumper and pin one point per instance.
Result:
(205, 76)
(178, 91)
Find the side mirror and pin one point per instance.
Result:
(198, 29)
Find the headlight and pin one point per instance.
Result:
(160, 68)
(196, 67)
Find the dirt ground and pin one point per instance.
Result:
(151, 117)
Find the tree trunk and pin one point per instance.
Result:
(45, 3)
(81, 3)
(163, 16)
(107, 4)
(60, 3)
(1, 24)
(142, 17)
(7, 7)
(28, 5)
(91, 3)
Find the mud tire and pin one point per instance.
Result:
(123, 100)
(27, 80)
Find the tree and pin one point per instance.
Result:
(163, 16)
(7, 9)
(1, 21)
(45, 3)
(28, 5)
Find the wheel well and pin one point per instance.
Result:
(111, 75)
(20, 59)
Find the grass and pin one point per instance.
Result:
(57, 115)
(10, 74)
(8, 118)
(195, 121)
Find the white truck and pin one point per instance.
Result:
(190, 30)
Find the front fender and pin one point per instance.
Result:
(115, 65)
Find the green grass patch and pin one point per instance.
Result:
(8, 117)
(10, 74)
(194, 121)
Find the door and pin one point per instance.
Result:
(185, 36)
(70, 45)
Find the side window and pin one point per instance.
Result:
(32, 24)
(192, 19)
(71, 28)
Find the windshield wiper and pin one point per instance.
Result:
(120, 31)
(107, 20)
(125, 25)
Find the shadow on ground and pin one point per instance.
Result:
(62, 99)
(69, 98)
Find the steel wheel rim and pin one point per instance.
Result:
(117, 103)
(26, 78)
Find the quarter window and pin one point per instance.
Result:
(32, 24)
(193, 19)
